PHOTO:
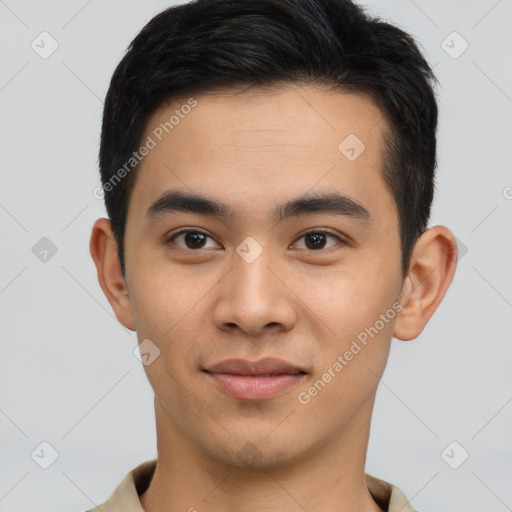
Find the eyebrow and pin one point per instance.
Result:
(333, 203)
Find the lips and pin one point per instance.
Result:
(256, 381)
(264, 367)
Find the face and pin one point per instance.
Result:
(292, 253)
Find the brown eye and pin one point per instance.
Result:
(193, 240)
(317, 240)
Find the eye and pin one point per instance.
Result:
(193, 240)
(197, 240)
(316, 240)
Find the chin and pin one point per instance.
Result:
(262, 454)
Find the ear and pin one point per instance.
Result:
(103, 249)
(431, 270)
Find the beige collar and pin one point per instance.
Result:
(125, 498)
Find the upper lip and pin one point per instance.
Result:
(265, 366)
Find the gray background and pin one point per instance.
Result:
(68, 375)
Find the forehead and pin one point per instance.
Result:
(266, 143)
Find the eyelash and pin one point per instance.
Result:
(312, 232)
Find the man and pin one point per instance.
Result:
(268, 169)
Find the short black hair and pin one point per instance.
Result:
(205, 45)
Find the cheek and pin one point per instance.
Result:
(163, 293)
(166, 309)
(343, 303)
(355, 315)
(354, 356)
(155, 306)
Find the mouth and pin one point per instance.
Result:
(267, 366)
(258, 380)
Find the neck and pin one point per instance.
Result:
(328, 478)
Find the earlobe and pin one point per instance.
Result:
(431, 270)
(103, 249)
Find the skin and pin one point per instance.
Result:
(199, 306)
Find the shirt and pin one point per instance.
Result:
(125, 498)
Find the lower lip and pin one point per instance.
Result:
(247, 387)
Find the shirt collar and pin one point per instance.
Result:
(125, 497)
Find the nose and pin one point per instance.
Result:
(255, 298)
